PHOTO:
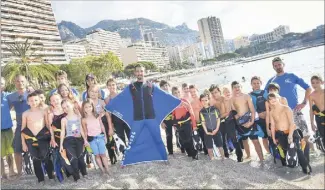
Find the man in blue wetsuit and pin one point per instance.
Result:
(288, 84)
(259, 97)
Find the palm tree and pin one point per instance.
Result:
(27, 61)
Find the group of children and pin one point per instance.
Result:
(224, 119)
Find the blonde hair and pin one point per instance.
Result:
(92, 87)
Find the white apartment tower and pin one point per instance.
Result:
(33, 20)
(110, 41)
(211, 34)
(74, 51)
(93, 47)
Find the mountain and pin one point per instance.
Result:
(167, 35)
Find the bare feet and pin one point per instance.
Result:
(247, 158)
(12, 173)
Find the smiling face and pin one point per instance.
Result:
(93, 92)
(194, 93)
(67, 106)
(34, 101)
(256, 84)
(215, 93)
(42, 98)
(236, 89)
(139, 73)
(176, 93)
(165, 88)
(278, 66)
(64, 91)
(88, 108)
(56, 100)
(20, 83)
(226, 93)
(316, 84)
(273, 101)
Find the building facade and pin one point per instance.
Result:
(211, 33)
(145, 52)
(275, 35)
(33, 20)
(74, 51)
(92, 47)
(110, 41)
(241, 41)
(174, 54)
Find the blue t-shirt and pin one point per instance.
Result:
(288, 87)
(261, 102)
(102, 93)
(19, 102)
(74, 91)
(6, 121)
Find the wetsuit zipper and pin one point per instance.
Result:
(209, 116)
(143, 114)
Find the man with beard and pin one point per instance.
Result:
(197, 106)
(288, 84)
(18, 100)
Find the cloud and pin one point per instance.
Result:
(237, 17)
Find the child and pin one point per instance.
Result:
(36, 137)
(185, 124)
(91, 81)
(66, 94)
(93, 94)
(42, 97)
(62, 78)
(209, 116)
(96, 135)
(317, 107)
(120, 127)
(73, 139)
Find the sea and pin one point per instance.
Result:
(303, 63)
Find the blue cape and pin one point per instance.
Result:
(145, 143)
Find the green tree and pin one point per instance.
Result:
(227, 56)
(76, 70)
(28, 62)
(129, 69)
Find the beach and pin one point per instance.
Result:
(181, 172)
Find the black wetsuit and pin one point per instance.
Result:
(320, 121)
(169, 133)
(201, 132)
(39, 148)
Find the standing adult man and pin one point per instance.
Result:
(18, 100)
(7, 134)
(288, 84)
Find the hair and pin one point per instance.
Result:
(139, 65)
(174, 89)
(273, 86)
(272, 95)
(19, 75)
(88, 101)
(192, 86)
(256, 78)
(316, 77)
(70, 96)
(184, 85)
(203, 96)
(54, 94)
(163, 83)
(39, 92)
(110, 80)
(87, 76)
(234, 83)
(32, 95)
(92, 87)
(277, 59)
(214, 86)
(224, 88)
(61, 73)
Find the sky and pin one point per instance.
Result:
(237, 17)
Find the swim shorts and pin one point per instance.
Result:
(7, 136)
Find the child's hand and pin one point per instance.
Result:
(61, 149)
(313, 127)
(86, 143)
(53, 143)
(214, 132)
(110, 132)
(275, 141)
(248, 124)
(25, 148)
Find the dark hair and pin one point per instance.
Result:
(163, 83)
(174, 88)
(139, 65)
(39, 92)
(87, 77)
(214, 86)
(192, 86)
(272, 95)
(256, 78)
(110, 80)
(273, 86)
(234, 83)
(316, 77)
(32, 95)
(184, 85)
(277, 59)
(61, 73)
(203, 96)
(88, 101)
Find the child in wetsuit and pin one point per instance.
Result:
(73, 139)
(96, 135)
(210, 119)
(185, 123)
(317, 106)
(36, 137)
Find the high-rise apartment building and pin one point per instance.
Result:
(110, 41)
(74, 51)
(241, 41)
(33, 20)
(93, 47)
(211, 34)
(174, 53)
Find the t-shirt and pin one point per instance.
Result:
(102, 93)
(288, 87)
(74, 91)
(6, 121)
(260, 99)
(19, 102)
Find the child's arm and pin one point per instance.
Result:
(218, 126)
(23, 125)
(292, 125)
(84, 126)
(110, 124)
(284, 101)
(203, 123)
(189, 108)
(103, 128)
(272, 127)
(83, 136)
(267, 117)
(311, 112)
(50, 120)
(62, 135)
(252, 110)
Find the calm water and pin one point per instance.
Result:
(303, 63)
